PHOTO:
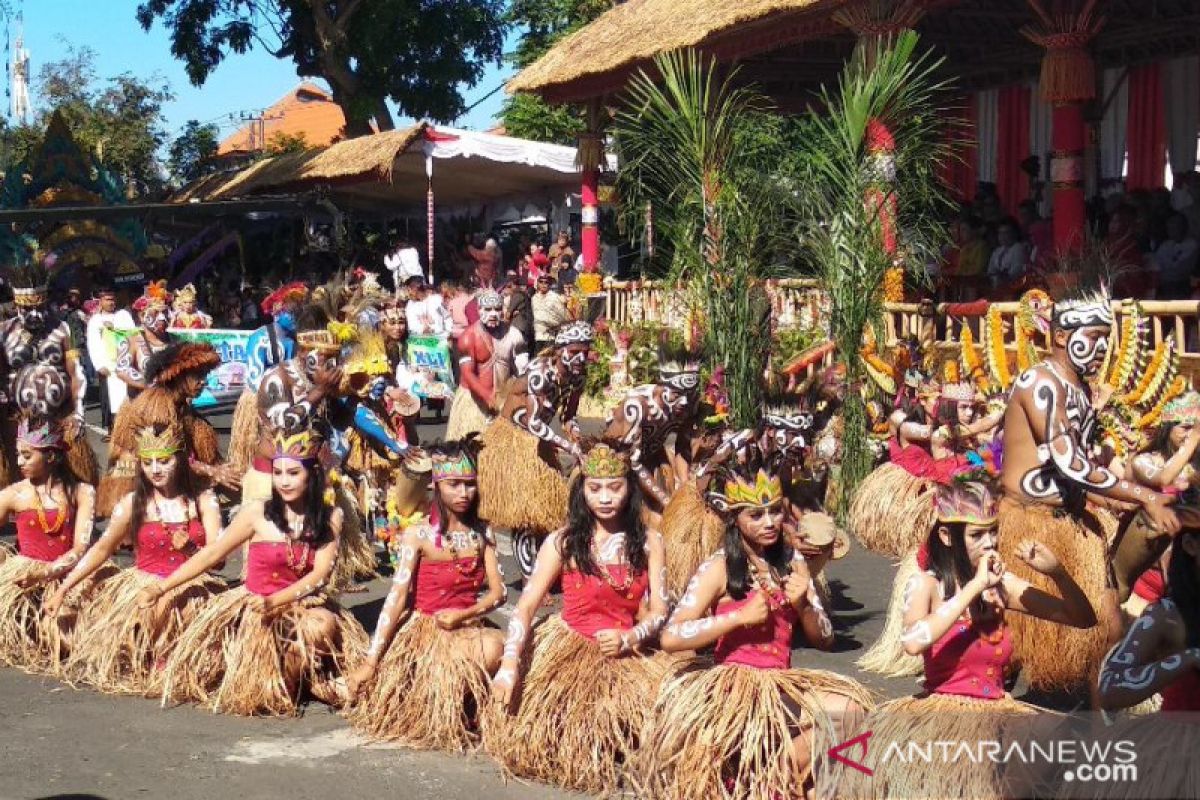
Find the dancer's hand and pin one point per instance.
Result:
(1162, 517)
(149, 597)
(360, 678)
(449, 620)
(796, 586)
(53, 604)
(504, 685)
(33, 579)
(225, 475)
(988, 573)
(610, 643)
(755, 611)
(1039, 557)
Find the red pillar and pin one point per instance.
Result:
(591, 220)
(1068, 141)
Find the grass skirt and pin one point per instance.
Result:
(231, 661)
(578, 714)
(29, 639)
(120, 480)
(356, 553)
(924, 719)
(426, 695)
(466, 415)
(81, 460)
(887, 656)
(892, 511)
(726, 731)
(1053, 656)
(518, 488)
(692, 532)
(244, 431)
(116, 649)
(1166, 745)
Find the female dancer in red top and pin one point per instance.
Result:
(426, 677)
(749, 726)
(954, 619)
(252, 650)
(121, 647)
(53, 514)
(582, 696)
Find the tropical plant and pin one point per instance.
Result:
(849, 188)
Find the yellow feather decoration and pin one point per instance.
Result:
(971, 364)
(997, 358)
(1130, 346)
(1151, 417)
(1150, 376)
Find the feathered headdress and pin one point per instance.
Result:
(317, 324)
(288, 294)
(301, 445)
(180, 358)
(30, 285)
(1185, 408)
(41, 435)
(602, 460)
(1089, 310)
(185, 294)
(154, 298)
(970, 502)
(156, 444)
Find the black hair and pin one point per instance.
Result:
(951, 565)
(737, 564)
(576, 547)
(947, 417)
(316, 513)
(185, 481)
(913, 410)
(1183, 586)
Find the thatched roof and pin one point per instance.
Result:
(635, 31)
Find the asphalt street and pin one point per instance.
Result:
(61, 742)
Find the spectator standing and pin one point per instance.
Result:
(562, 249)
(104, 361)
(487, 263)
(425, 310)
(568, 274)
(1175, 260)
(538, 263)
(549, 312)
(404, 263)
(518, 309)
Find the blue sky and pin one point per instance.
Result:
(241, 83)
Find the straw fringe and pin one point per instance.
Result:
(120, 480)
(932, 718)
(119, 648)
(426, 694)
(692, 531)
(578, 715)
(727, 731)
(892, 511)
(30, 640)
(230, 661)
(1054, 656)
(81, 460)
(887, 656)
(466, 415)
(1162, 742)
(356, 554)
(201, 438)
(517, 488)
(244, 431)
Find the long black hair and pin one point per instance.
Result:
(185, 481)
(577, 539)
(453, 451)
(316, 512)
(1183, 587)
(951, 565)
(737, 564)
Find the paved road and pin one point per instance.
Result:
(59, 742)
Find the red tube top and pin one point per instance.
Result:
(590, 605)
(1183, 694)
(963, 663)
(34, 542)
(268, 569)
(766, 646)
(448, 585)
(913, 458)
(1151, 585)
(155, 550)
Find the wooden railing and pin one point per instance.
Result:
(795, 302)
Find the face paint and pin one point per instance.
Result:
(574, 359)
(1086, 348)
(490, 317)
(155, 321)
(286, 321)
(33, 318)
(159, 471)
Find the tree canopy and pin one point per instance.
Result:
(415, 53)
(191, 154)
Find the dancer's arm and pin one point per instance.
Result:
(316, 580)
(469, 375)
(651, 625)
(1147, 473)
(97, 554)
(926, 619)
(126, 367)
(1072, 608)
(85, 521)
(492, 599)
(1133, 672)
(240, 530)
(801, 592)
(210, 515)
(546, 571)
(691, 627)
(394, 612)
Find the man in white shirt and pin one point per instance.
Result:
(404, 263)
(1010, 258)
(426, 310)
(1175, 260)
(104, 359)
(549, 312)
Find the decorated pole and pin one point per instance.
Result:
(429, 219)
(590, 156)
(1068, 80)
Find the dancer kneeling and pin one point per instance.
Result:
(121, 646)
(53, 515)
(424, 682)
(954, 618)
(749, 727)
(254, 649)
(582, 696)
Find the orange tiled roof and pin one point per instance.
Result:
(308, 109)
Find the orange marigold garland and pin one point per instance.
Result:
(1151, 417)
(971, 364)
(1152, 376)
(893, 285)
(994, 353)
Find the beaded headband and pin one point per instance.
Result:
(962, 392)
(461, 468)
(1090, 311)
(1185, 408)
(740, 492)
(42, 437)
(302, 446)
(489, 298)
(30, 297)
(159, 445)
(788, 419)
(578, 332)
(320, 340)
(604, 462)
(969, 502)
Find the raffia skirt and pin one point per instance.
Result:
(29, 639)
(578, 714)
(887, 656)
(1166, 766)
(426, 695)
(913, 722)
(518, 486)
(892, 511)
(118, 647)
(232, 661)
(245, 431)
(466, 415)
(726, 731)
(1054, 656)
(692, 532)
